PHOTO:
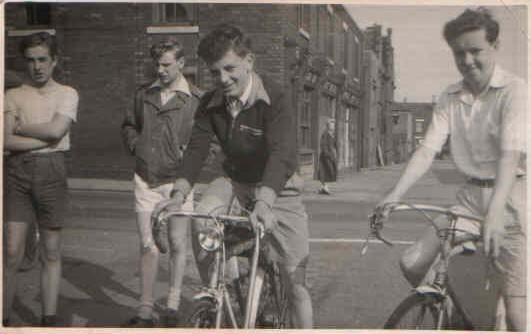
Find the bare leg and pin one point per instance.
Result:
(149, 261)
(418, 258)
(177, 233)
(51, 271)
(300, 302)
(15, 244)
(516, 313)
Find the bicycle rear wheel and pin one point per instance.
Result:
(415, 312)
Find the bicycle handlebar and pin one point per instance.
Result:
(159, 220)
(377, 218)
(192, 214)
(433, 208)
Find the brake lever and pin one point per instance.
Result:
(372, 232)
(379, 236)
(375, 227)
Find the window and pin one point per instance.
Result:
(346, 55)
(304, 17)
(419, 125)
(305, 120)
(38, 13)
(174, 13)
(322, 26)
(356, 57)
(330, 45)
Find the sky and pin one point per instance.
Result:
(424, 65)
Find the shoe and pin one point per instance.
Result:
(138, 322)
(171, 318)
(5, 322)
(49, 321)
(324, 191)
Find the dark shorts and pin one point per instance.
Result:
(35, 189)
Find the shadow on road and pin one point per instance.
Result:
(98, 283)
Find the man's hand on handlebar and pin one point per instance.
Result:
(384, 207)
(263, 215)
(158, 224)
(172, 204)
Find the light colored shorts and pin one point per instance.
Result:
(146, 198)
(288, 244)
(511, 262)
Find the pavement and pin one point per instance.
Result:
(100, 275)
(366, 185)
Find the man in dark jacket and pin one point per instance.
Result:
(255, 126)
(156, 133)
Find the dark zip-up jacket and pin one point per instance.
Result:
(259, 144)
(157, 134)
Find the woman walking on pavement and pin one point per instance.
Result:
(328, 157)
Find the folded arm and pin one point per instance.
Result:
(14, 142)
(50, 132)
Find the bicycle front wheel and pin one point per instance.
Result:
(204, 314)
(415, 312)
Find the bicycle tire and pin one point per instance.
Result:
(203, 314)
(274, 309)
(31, 250)
(411, 313)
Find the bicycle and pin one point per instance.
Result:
(232, 236)
(433, 304)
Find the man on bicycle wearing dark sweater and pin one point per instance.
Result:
(484, 117)
(255, 126)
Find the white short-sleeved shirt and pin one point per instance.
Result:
(32, 105)
(481, 127)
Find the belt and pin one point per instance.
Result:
(32, 156)
(482, 183)
(485, 183)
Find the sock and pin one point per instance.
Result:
(145, 311)
(174, 298)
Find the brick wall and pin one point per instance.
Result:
(105, 56)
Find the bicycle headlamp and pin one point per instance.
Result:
(210, 238)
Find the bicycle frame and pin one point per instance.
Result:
(440, 279)
(217, 290)
(435, 283)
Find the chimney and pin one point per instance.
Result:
(405, 99)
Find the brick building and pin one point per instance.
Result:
(421, 114)
(379, 84)
(314, 51)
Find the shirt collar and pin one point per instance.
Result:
(254, 91)
(499, 79)
(180, 85)
(247, 92)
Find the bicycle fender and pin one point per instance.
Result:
(205, 295)
(428, 290)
